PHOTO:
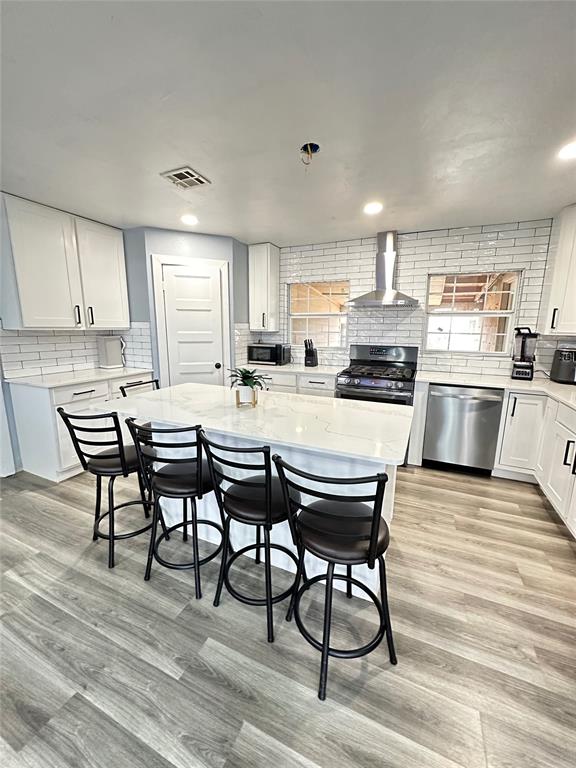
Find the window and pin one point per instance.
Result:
(471, 313)
(318, 311)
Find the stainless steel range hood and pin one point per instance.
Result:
(385, 294)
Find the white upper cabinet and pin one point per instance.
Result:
(103, 270)
(45, 267)
(60, 271)
(264, 287)
(559, 308)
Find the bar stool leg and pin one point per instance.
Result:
(111, 522)
(258, 542)
(348, 583)
(297, 581)
(225, 548)
(145, 502)
(196, 550)
(386, 610)
(326, 635)
(268, 571)
(155, 515)
(185, 521)
(97, 507)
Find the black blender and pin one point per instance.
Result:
(524, 354)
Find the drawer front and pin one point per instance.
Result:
(79, 392)
(115, 384)
(279, 379)
(566, 416)
(316, 382)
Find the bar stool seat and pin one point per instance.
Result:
(338, 531)
(179, 480)
(108, 462)
(247, 504)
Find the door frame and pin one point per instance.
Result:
(158, 262)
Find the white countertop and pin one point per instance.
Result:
(356, 429)
(322, 370)
(53, 380)
(563, 393)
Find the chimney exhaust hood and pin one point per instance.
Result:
(385, 294)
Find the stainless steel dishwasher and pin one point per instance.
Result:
(462, 425)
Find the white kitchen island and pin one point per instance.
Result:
(332, 437)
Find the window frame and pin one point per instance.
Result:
(512, 314)
(291, 315)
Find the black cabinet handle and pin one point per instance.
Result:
(315, 382)
(263, 319)
(554, 316)
(91, 315)
(565, 461)
(514, 408)
(133, 383)
(217, 366)
(84, 392)
(77, 314)
(574, 465)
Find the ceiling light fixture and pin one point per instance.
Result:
(189, 219)
(372, 208)
(568, 152)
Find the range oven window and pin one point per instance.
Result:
(318, 311)
(471, 312)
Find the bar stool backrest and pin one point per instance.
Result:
(156, 450)
(227, 471)
(93, 433)
(296, 495)
(137, 386)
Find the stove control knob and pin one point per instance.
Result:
(356, 381)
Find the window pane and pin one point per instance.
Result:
(319, 298)
(468, 333)
(439, 324)
(464, 342)
(479, 292)
(438, 341)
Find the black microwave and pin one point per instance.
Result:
(269, 354)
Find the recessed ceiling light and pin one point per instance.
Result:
(568, 152)
(372, 208)
(189, 219)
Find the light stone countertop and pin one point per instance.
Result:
(53, 380)
(563, 393)
(355, 429)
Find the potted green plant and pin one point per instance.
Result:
(247, 383)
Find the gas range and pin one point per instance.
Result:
(380, 373)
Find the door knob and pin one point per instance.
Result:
(218, 366)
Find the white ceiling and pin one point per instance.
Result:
(450, 113)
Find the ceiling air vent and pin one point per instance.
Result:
(185, 178)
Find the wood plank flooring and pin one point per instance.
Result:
(103, 670)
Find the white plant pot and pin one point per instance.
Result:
(246, 396)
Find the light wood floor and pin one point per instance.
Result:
(101, 670)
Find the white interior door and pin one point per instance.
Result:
(193, 311)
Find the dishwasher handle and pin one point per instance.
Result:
(470, 398)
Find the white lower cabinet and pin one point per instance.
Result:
(46, 448)
(522, 429)
(321, 385)
(556, 468)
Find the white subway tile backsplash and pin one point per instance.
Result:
(513, 245)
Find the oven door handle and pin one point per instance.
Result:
(370, 393)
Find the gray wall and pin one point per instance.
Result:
(141, 243)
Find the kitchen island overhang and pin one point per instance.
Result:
(330, 437)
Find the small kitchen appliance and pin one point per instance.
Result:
(564, 366)
(262, 353)
(524, 354)
(310, 354)
(384, 374)
(111, 351)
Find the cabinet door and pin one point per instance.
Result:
(524, 420)
(68, 456)
(263, 287)
(545, 447)
(558, 480)
(46, 265)
(103, 270)
(562, 306)
(571, 512)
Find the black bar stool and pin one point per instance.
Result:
(174, 469)
(137, 386)
(340, 529)
(252, 499)
(90, 433)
